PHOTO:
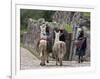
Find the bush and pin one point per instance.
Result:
(68, 28)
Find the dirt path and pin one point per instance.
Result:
(29, 61)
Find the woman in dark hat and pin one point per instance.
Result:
(81, 46)
(49, 39)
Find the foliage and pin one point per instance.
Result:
(35, 14)
(87, 14)
(48, 15)
(68, 28)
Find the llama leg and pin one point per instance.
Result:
(60, 60)
(56, 60)
(41, 54)
(47, 59)
(47, 56)
(42, 59)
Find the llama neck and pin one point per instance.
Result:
(57, 39)
(43, 35)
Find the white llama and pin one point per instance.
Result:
(43, 31)
(59, 49)
(43, 45)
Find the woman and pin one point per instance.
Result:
(49, 39)
(62, 35)
(81, 46)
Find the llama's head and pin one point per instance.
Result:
(57, 34)
(43, 28)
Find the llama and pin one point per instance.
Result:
(43, 45)
(59, 49)
(43, 51)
